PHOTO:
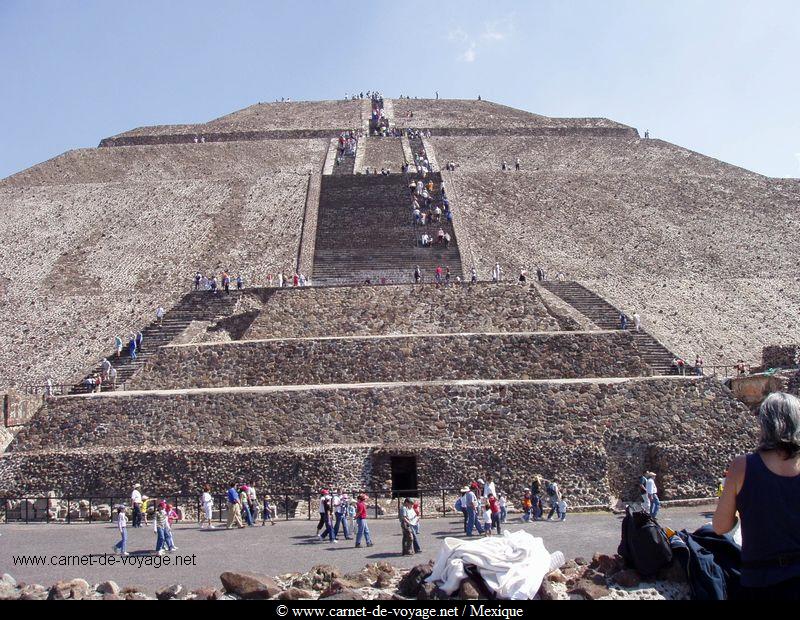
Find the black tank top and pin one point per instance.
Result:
(769, 508)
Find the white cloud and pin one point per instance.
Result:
(470, 54)
(494, 31)
(498, 29)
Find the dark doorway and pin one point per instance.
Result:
(404, 476)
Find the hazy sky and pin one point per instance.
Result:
(717, 76)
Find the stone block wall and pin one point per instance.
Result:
(527, 427)
(373, 310)
(780, 356)
(568, 355)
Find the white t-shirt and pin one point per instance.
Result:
(122, 521)
(322, 504)
(489, 488)
(487, 517)
(136, 497)
(206, 500)
(651, 487)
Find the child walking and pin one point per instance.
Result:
(487, 519)
(266, 513)
(122, 526)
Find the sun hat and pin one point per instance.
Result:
(464, 489)
(650, 473)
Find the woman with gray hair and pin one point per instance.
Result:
(764, 487)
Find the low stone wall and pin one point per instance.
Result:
(567, 355)
(372, 310)
(595, 437)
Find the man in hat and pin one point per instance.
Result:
(652, 493)
(340, 505)
(136, 502)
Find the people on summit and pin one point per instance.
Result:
(637, 321)
(763, 487)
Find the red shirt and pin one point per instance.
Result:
(361, 510)
(493, 505)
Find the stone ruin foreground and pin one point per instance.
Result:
(389, 385)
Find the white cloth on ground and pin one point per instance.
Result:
(513, 565)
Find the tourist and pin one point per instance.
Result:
(122, 525)
(764, 488)
(362, 530)
(408, 518)
(340, 503)
(527, 506)
(234, 507)
(517, 164)
(327, 505)
(105, 367)
(417, 275)
(643, 493)
(48, 384)
(438, 275)
(497, 273)
(537, 486)
(245, 504)
(160, 527)
(136, 502)
(132, 347)
(488, 487)
(160, 312)
(321, 509)
(623, 321)
(504, 165)
(139, 341)
(118, 345)
(698, 365)
(740, 368)
(252, 501)
(486, 516)
(679, 366)
(494, 508)
(501, 501)
(226, 283)
(172, 516)
(652, 493)
(280, 279)
(523, 276)
(554, 497)
(145, 500)
(470, 503)
(206, 507)
(473, 276)
(112, 377)
(267, 514)
(637, 321)
(197, 277)
(540, 274)
(213, 284)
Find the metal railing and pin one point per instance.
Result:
(286, 505)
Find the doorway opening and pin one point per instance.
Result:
(404, 476)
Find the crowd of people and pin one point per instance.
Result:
(213, 282)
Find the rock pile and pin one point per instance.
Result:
(604, 577)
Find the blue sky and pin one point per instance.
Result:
(717, 76)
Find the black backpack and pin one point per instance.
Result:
(644, 544)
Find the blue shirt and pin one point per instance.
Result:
(233, 496)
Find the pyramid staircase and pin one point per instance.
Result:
(606, 316)
(365, 230)
(194, 306)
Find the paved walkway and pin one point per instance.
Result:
(274, 550)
